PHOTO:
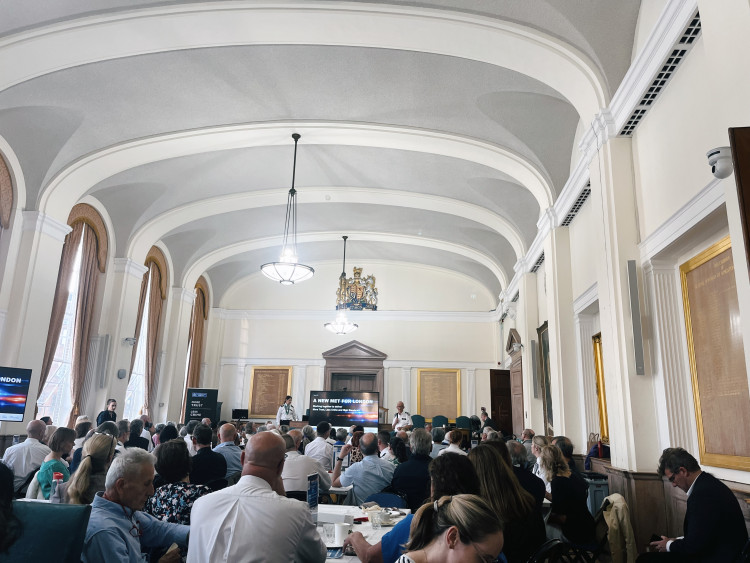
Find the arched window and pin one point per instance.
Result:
(142, 386)
(6, 195)
(83, 259)
(197, 336)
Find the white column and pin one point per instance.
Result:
(469, 403)
(177, 331)
(527, 321)
(587, 373)
(674, 399)
(299, 380)
(406, 392)
(241, 388)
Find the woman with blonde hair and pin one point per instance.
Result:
(537, 443)
(569, 517)
(458, 528)
(523, 524)
(89, 477)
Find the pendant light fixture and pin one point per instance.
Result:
(287, 270)
(341, 325)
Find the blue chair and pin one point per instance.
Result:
(387, 500)
(439, 421)
(463, 422)
(51, 532)
(417, 421)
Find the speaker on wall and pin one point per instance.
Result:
(635, 314)
(534, 369)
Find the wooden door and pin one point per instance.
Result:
(353, 382)
(516, 394)
(501, 403)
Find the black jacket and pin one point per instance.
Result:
(208, 466)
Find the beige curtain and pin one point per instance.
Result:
(139, 319)
(152, 337)
(195, 358)
(82, 328)
(60, 300)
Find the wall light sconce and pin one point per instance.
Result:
(517, 347)
(130, 341)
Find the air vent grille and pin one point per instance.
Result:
(577, 204)
(538, 263)
(681, 48)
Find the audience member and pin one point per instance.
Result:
(371, 475)
(25, 458)
(569, 517)
(714, 528)
(523, 524)
(319, 449)
(253, 521)
(107, 427)
(537, 444)
(108, 413)
(488, 435)
(229, 449)
(457, 528)
(117, 530)
(168, 433)
(173, 500)
(135, 440)
(384, 440)
(340, 437)
(10, 525)
(566, 447)
(530, 482)
(209, 468)
(123, 434)
(147, 430)
(398, 450)
(526, 437)
(81, 429)
(46, 420)
(412, 477)
(454, 443)
(597, 450)
(61, 443)
(89, 478)
(48, 432)
(438, 435)
(308, 436)
(449, 475)
(189, 427)
(298, 466)
(355, 454)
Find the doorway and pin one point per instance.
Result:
(501, 410)
(354, 382)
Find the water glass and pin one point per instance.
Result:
(376, 519)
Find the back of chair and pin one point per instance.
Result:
(463, 422)
(554, 551)
(417, 421)
(51, 532)
(439, 421)
(387, 500)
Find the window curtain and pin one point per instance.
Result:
(195, 345)
(60, 301)
(151, 286)
(84, 309)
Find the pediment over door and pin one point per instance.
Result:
(513, 338)
(354, 350)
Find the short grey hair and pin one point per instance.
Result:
(492, 435)
(518, 454)
(309, 432)
(420, 442)
(126, 465)
(341, 434)
(438, 434)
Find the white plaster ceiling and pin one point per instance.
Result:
(426, 146)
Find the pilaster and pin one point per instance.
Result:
(469, 402)
(527, 321)
(299, 381)
(589, 409)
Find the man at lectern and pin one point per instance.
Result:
(286, 412)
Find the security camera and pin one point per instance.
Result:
(720, 161)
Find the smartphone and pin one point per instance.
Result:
(474, 444)
(335, 552)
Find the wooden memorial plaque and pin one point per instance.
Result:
(717, 357)
(268, 387)
(439, 393)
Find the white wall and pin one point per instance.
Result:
(585, 248)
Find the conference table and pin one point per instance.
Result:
(365, 528)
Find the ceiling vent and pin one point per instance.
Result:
(577, 204)
(515, 297)
(679, 50)
(538, 263)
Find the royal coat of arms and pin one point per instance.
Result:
(357, 293)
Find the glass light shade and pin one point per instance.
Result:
(341, 325)
(287, 271)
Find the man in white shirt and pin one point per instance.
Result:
(28, 456)
(402, 419)
(297, 466)
(146, 432)
(189, 437)
(384, 440)
(123, 434)
(319, 449)
(253, 521)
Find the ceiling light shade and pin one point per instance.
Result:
(341, 325)
(287, 270)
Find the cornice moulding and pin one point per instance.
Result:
(41, 223)
(129, 267)
(587, 298)
(357, 316)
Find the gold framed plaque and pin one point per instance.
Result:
(439, 393)
(268, 387)
(717, 357)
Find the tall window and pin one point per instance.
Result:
(142, 385)
(196, 338)
(66, 353)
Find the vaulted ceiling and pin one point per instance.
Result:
(433, 132)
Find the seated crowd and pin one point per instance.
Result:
(227, 492)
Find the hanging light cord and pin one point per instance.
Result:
(291, 205)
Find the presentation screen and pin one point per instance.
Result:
(344, 408)
(14, 387)
(201, 403)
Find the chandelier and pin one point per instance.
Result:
(341, 325)
(287, 270)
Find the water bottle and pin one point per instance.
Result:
(57, 478)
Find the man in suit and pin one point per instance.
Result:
(714, 528)
(208, 466)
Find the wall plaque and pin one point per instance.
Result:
(717, 357)
(268, 387)
(439, 393)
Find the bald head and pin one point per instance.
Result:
(264, 452)
(227, 432)
(36, 429)
(296, 435)
(368, 444)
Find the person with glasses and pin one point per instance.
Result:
(459, 528)
(117, 529)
